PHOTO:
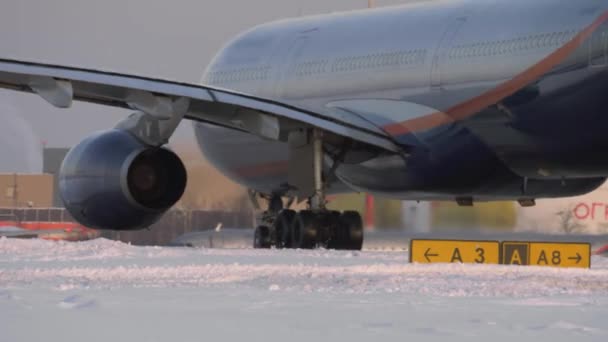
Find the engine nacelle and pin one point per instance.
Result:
(111, 180)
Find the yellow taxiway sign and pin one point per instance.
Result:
(554, 254)
(454, 251)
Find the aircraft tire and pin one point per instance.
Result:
(283, 227)
(261, 238)
(352, 231)
(304, 230)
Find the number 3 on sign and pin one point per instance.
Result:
(481, 256)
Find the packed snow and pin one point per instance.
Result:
(103, 290)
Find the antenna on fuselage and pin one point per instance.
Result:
(371, 3)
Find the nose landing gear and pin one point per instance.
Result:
(315, 227)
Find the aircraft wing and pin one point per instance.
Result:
(60, 85)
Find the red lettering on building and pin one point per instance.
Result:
(582, 211)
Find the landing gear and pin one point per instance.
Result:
(315, 227)
(309, 229)
(261, 238)
(283, 228)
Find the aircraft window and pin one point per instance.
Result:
(390, 59)
(465, 51)
(361, 62)
(525, 43)
(461, 52)
(508, 46)
(393, 58)
(559, 38)
(539, 42)
(376, 61)
(339, 64)
(344, 65)
(517, 44)
(547, 40)
(536, 42)
(553, 39)
(543, 41)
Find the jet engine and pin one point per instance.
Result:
(113, 181)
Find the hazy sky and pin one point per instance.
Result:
(167, 39)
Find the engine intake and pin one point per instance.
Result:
(111, 180)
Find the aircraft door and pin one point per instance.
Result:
(598, 48)
(288, 61)
(439, 58)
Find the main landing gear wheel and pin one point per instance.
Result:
(305, 230)
(283, 228)
(308, 229)
(261, 238)
(351, 231)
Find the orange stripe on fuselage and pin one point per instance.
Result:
(475, 105)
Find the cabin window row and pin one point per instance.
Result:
(511, 46)
(354, 63)
(239, 75)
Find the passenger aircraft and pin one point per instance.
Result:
(463, 100)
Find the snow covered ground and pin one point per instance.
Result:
(109, 291)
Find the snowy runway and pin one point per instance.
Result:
(102, 290)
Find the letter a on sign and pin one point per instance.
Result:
(515, 258)
(515, 253)
(456, 256)
(542, 259)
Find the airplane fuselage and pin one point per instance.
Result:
(490, 100)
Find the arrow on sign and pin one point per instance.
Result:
(578, 258)
(428, 255)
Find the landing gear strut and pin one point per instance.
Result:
(315, 227)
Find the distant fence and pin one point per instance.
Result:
(173, 224)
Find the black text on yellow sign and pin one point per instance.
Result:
(546, 254)
(454, 251)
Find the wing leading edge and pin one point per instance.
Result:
(59, 85)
